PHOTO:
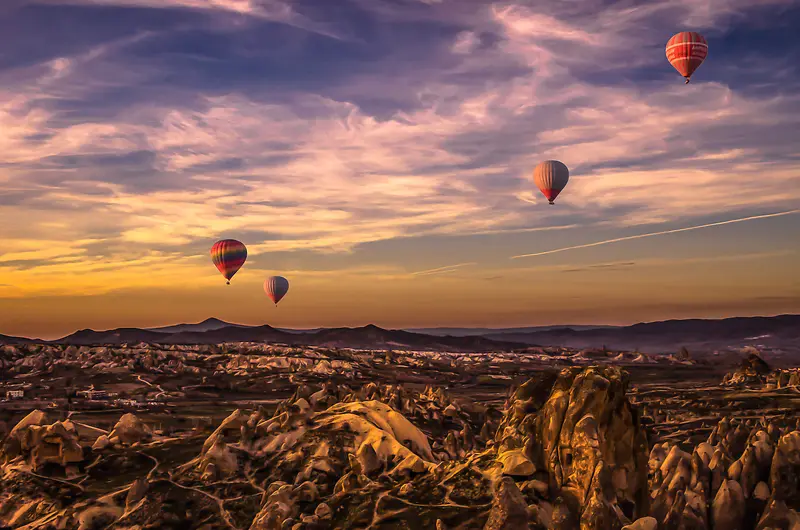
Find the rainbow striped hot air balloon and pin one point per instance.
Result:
(551, 176)
(276, 288)
(228, 255)
(686, 51)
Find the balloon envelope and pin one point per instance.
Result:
(551, 176)
(686, 51)
(276, 288)
(228, 255)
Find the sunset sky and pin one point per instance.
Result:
(378, 154)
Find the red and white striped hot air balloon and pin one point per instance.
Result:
(551, 176)
(686, 51)
(276, 288)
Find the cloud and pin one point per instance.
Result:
(443, 270)
(660, 233)
(281, 11)
(603, 267)
(150, 143)
(466, 42)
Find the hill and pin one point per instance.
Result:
(471, 332)
(209, 324)
(776, 332)
(367, 337)
(374, 337)
(90, 337)
(7, 339)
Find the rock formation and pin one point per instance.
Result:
(568, 450)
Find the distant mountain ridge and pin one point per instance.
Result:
(209, 324)
(467, 332)
(774, 332)
(367, 337)
(781, 332)
(8, 339)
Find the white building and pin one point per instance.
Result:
(15, 394)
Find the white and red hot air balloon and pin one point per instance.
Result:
(686, 51)
(276, 288)
(551, 176)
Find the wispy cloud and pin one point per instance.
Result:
(603, 267)
(281, 11)
(653, 234)
(443, 270)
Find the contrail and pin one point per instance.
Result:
(651, 234)
(442, 270)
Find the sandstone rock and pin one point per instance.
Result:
(130, 430)
(101, 443)
(137, 491)
(323, 511)
(509, 509)
(590, 423)
(368, 459)
(221, 457)
(645, 523)
(728, 509)
(232, 424)
(784, 475)
(39, 444)
(515, 463)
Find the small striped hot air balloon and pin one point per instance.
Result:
(551, 176)
(276, 288)
(228, 255)
(686, 51)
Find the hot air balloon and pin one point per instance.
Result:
(551, 176)
(228, 255)
(686, 51)
(276, 288)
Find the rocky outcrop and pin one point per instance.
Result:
(509, 509)
(753, 371)
(742, 478)
(129, 430)
(36, 443)
(567, 451)
(580, 428)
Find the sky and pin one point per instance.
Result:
(379, 154)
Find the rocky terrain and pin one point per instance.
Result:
(252, 436)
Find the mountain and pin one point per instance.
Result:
(373, 337)
(89, 337)
(470, 332)
(7, 339)
(300, 331)
(209, 324)
(233, 334)
(367, 337)
(776, 332)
